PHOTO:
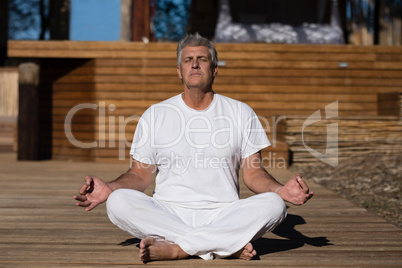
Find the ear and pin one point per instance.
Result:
(215, 71)
(179, 73)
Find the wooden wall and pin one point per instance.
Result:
(121, 80)
(354, 136)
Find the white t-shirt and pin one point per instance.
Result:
(197, 153)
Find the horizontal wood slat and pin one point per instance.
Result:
(297, 81)
(269, 97)
(176, 88)
(363, 106)
(72, 46)
(242, 64)
(237, 72)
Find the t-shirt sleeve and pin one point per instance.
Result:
(141, 149)
(254, 136)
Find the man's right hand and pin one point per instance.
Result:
(92, 193)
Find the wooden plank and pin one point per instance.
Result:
(291, 73)
(299, 81)
(107, 46)
(273, 56)
(117, 103)
(265, 111)
(308, 81)
(153, 52)
(302, 48)
(177, 88)
(307, 64)
(352, 65)
(389, 57)
(313, 105)
(245, 96)
(143, 63)
(92, 54)
(60, 112)
(40, 226)
(90, 45)
(249, 72)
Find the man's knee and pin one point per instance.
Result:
(272, 206)
(120, 202)
(115, 203)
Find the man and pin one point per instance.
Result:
(197, 142)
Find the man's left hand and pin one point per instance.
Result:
(296, 191)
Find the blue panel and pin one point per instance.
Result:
(95, 20)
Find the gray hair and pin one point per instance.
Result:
(196, 40)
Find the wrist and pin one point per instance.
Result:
(110, 187)
(279, 189)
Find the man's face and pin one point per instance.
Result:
(196, 69)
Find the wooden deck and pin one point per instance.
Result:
(41, 227)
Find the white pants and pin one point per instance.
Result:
(207, 233)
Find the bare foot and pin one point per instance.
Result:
(153, 250)
(246, 253)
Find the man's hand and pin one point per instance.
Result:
(296, 191)
(92, 193)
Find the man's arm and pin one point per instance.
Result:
(258, 180)
(95, 191)
(138, 177)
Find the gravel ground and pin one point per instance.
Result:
(372, 181)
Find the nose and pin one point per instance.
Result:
(195, 64)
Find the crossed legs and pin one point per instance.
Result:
(151, 250)
(173, 233)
